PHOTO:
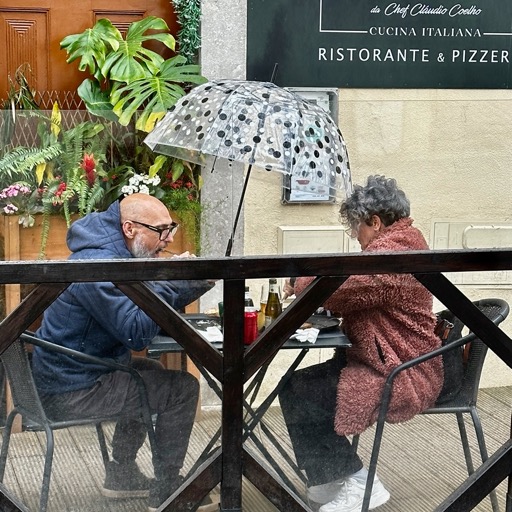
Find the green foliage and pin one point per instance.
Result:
(85, 167)
(188, 13)
(19, 164)
(20, 96)
(156, 94)
(128, 76)
(53, 172)
(91, 46)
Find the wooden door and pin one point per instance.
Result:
(32, 35)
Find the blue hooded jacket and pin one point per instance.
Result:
(97, 318)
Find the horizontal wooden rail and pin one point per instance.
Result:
(23, 272)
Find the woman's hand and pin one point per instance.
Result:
(288, 288)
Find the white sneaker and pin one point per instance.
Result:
(324, 493)
(351, 494)
(379, 493)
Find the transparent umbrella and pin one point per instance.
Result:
(259, 124)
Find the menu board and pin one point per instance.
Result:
(378, 43)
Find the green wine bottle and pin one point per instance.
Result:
(273, 308)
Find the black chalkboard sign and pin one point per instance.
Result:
(375, 43)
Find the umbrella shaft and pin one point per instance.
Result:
(237, 216)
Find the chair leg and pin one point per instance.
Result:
(47, 473)
(372, 468)
(103, 445)
(6, 441)
(483, 452)
(355, 443)
(465, 443)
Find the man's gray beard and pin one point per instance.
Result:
(139, 250)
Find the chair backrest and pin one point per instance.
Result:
(467, 387)
(23, 389)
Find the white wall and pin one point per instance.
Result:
(450, 150)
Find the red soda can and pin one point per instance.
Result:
(250, 325)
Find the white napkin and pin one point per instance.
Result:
(212, 334)
(306, 335)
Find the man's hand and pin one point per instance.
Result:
(185, 254)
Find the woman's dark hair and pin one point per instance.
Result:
(380, 196)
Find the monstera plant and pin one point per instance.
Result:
(128, 77)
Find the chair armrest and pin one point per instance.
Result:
(388, 386)
(429, 355)
(29, 337)
(87, 358)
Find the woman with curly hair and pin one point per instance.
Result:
(389, 320)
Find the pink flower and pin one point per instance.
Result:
(9, 209)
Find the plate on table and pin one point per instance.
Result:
(202, 322)
(323, 322)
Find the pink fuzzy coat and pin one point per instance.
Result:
(389, 320)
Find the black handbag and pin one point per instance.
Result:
(453, 360)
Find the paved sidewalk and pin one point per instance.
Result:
(421, 461)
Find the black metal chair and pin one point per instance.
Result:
(27, 403)
(463, 401)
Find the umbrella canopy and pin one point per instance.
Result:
(259, 124)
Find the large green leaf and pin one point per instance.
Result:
(96, 100)
(137, 30)
(131, 61)
(156, 94)
(92, 46)
(176, 70)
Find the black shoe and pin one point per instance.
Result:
(125, 481)
(160, 490)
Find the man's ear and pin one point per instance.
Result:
(127, 228)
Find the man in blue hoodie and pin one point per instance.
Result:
(98, 319)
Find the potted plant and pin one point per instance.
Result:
(74, 167)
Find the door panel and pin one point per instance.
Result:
(24, 36)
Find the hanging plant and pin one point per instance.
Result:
(188, 14)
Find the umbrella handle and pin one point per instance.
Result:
(232, 238)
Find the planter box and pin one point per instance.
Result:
(18, 243)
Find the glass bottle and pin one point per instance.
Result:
(273, 308)
(248, 300)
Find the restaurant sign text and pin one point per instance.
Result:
(376, 43)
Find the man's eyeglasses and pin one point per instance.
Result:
(163, 232)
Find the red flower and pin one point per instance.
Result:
(60, 189)
(89, 166)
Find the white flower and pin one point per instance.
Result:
(128, 190)
(140, 183)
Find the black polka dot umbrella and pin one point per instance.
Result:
(259, 124)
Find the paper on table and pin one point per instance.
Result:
(212, 333)
(306, 335)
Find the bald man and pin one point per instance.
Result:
(98, 319)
